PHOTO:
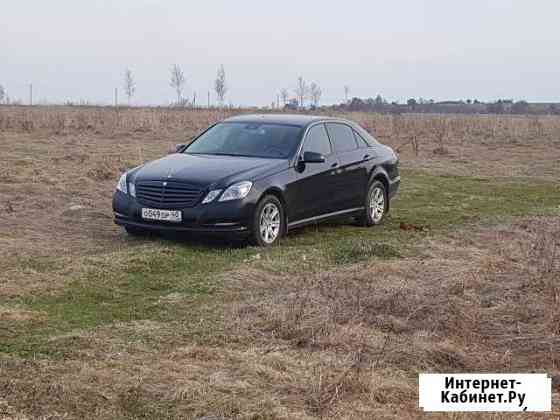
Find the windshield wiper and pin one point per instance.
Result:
(210, 153)
(237, 155)
(225, 154)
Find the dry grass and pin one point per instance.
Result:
(62, 120)
(345, 341)
(53, 178)
(55, 171)
(505, 146)
(485, 302)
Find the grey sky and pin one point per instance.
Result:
(485, 49)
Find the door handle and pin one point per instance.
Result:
(334, 165)
(367, 157)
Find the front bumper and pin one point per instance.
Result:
(233, 217)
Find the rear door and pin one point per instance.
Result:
(314, 186)
(352, 170)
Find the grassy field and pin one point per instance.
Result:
(336, 322)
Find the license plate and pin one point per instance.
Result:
(163, 215)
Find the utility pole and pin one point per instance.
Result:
(194, 100)
(208, 99)
(116, 97)
(278, 101)
(31, 94)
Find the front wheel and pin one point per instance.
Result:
(268, 222)
(376, 204)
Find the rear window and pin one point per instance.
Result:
(342, 137)
(370, 140)
(361, 141)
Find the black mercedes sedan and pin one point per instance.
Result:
(259, 176)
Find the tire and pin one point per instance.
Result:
(376, 205)
(269, 223)
(134, 231)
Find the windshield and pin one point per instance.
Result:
(247, 139)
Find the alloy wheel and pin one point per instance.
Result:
(377, 204)
(269, 223)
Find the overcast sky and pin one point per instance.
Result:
(442, 49)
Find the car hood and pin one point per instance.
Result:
(207, 170)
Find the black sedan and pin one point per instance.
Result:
(260, 176)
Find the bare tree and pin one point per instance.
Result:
(301, 91)
(346, 92)
(177, 82)
(285, 95)
(220, 85)
(2, 93)
(315, 92)
(129, 85)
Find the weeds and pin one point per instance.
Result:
(362, 250)
(336, 322)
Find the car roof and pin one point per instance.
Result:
(299, 120)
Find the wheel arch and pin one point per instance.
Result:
(279, 194)
(378, 174)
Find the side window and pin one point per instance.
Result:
(317, 141)
(342, 137)
(361, 141)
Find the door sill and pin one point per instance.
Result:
(323, 216)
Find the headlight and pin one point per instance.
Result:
(211, 196)
(132, 189)
(237, 191)
(121, 185)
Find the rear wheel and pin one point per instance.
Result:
(268, 222)
(376, 205)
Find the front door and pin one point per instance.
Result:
(315, 185)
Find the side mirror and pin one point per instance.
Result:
(180, 147)
(313, 157)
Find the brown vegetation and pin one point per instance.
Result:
(58, 163)
(346, 340)
(476, 305)
(345, 343)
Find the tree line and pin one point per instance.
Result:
(468, 106)
(307, 95)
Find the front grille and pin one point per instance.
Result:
(168, 194)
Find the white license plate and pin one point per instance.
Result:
(164, 215)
